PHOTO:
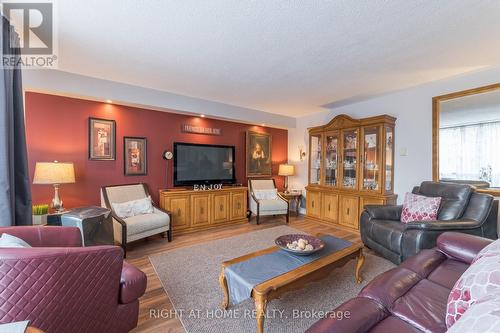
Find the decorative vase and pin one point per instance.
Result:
(40, 219)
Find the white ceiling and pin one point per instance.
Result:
(280, 56)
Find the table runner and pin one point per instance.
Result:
(243, 276)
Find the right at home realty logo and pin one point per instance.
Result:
(34, 43)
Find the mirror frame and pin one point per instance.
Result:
(436, 109)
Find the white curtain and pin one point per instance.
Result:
(471, 152)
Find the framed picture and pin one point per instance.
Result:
(102, 139)
(258, 153)
(135, 156)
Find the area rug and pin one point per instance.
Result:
(190, 277)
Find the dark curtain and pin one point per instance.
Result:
(15, 196)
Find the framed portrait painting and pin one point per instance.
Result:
(102, 139)
(135, 156)
(258, 154)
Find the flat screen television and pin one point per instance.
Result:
(203, 164)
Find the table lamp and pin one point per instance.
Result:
(286, 170)
(54, 173)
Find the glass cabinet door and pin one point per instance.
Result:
(331, 159)
(371, 159)
(389, 158)
(350, 158)
(315, 159)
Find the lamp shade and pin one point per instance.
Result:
(54, 173)
(286, 170)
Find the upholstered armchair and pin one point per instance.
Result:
(462, 209)
(137, 227)
(61, 287)
(265, 199)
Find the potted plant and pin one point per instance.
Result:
(40, 214)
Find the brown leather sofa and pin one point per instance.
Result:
(462, 210)
(410, 298)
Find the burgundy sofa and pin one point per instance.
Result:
(411, 297)
(61, 287)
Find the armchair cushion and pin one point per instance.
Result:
(455, 198)
(419, 208)
(141, 223)
(132, 284)
(273, 205)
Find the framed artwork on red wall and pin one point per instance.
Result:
(102, 139)
(135, 156)
(258, 154)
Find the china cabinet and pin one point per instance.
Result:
(351, 164)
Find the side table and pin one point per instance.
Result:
(295, 197)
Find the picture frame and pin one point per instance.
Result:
(102, 139)
(135, 156)
(258, 154)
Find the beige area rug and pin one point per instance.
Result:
(190, 277)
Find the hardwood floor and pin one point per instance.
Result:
(155, 297)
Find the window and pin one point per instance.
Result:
(470, 152)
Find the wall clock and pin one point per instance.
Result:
(167, 155)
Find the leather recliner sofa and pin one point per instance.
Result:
(61, 287)
(462, 209)
(411, 298)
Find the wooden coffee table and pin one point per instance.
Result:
(294, 279)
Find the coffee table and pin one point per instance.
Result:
(294, 279)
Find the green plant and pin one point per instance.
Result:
(40, 209)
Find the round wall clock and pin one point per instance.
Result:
(167, 155)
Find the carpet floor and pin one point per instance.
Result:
(190, 277)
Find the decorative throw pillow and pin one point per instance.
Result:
(493, 249)
(420, 208)
(271, 194)
(479, 280)
(133, 208)
(12, 241)
(482, 317)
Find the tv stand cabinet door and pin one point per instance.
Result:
(200, 209)
(220, 207)
(238, 205)
(178, 205)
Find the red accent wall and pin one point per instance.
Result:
(57, 129)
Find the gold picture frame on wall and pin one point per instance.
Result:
(258, 154)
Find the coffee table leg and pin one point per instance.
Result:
(260, 307)
(359, 264)
(223, 284)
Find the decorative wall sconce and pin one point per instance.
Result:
(302, 153)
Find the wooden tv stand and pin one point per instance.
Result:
(199, 210)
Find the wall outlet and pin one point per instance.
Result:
(403, 152)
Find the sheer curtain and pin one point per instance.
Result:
(471, 152)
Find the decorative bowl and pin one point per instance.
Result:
(316, 243)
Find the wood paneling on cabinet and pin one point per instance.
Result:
(351, 164)
(199, 210)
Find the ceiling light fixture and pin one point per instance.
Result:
(109, 101)
(202, 115)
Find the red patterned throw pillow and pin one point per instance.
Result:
(420, 208)
(479, 280)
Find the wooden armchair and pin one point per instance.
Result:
(265, 199)
(137, 227)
